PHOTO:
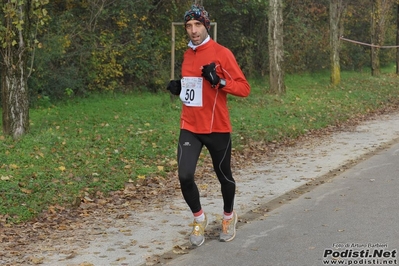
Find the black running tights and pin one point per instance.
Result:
(189, 149)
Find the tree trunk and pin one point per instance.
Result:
(15, 97)
(380, 12)
(15, 101)
(397, 38)
(336, 11)
(375, 37)
(276, 47)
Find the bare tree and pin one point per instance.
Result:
(276, 47)
(337, 8)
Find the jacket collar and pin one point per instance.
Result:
(192, 46)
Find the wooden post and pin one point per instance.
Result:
(172, 61)
(215, 31)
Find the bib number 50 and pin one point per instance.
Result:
(190, 95)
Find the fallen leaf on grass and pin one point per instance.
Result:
(14, 166)
(5, 178)
(26, 191)
(173, 162)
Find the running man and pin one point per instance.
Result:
(210, 72)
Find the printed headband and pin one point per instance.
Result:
(197, 12)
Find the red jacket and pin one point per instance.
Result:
(212, 114)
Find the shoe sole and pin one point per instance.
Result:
(197, 245)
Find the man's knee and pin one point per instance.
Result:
(186, 179)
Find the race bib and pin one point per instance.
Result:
(191, 91)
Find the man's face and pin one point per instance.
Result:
(196, 31)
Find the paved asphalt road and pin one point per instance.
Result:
(353, 219)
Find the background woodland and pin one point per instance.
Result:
(125, 45)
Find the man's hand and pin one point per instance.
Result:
(174, 86)
(209, 73)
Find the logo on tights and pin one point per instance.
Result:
(187, 144)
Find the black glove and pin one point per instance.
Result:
(209, 73)
(174, 86)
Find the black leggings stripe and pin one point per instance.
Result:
(189, 149)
